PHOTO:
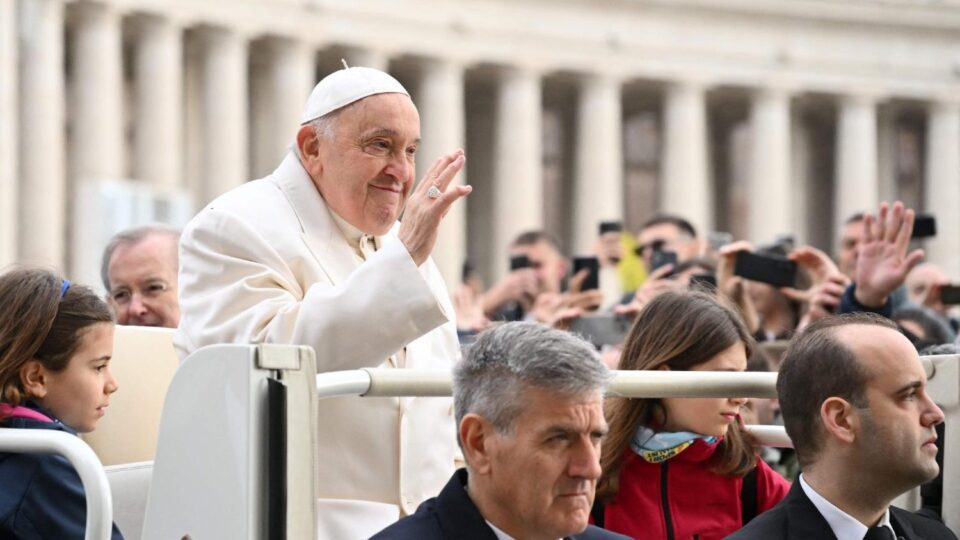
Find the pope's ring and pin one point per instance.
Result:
(433, 192)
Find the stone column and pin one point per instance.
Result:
(685, 181)
(442, 130)
(770, 205)
(598, 181)
(518, 160)
(223, 123)
(8, 133)
(857, 185)
(942, 184)
(283, 74)
(42, 225)
(97, 148)
(158, 103)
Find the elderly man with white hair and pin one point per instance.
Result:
(313, 255)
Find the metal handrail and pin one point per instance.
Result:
(648, 384)
(380, 382)
(84, 460)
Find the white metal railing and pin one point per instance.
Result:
(648, 384)
(84, 460)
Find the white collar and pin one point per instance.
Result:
(845, 526)
(353, 235)
(500, 534)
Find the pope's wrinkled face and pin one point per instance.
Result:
(365, 168)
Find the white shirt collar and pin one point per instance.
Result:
(844, 526)
(500, 534)
(353, 235)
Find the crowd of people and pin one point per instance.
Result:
(316, 254)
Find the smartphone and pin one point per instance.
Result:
(662, 258)
(593, 278)
(924, 226)
(519, 261)
(776, 271)
(602, 329)
(610, 226)
(703, 282)
(950, 294)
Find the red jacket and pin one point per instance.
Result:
(684, 496)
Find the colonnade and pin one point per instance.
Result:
(210, 107)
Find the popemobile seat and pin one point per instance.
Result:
(143, 363)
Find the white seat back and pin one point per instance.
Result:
(129, 486)
(143, 363)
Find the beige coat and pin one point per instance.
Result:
(265, 262)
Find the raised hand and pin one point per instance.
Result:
(422, 216)
(883, 263)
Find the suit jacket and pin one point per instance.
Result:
(453, 516)
(796, 518)
(266, 262)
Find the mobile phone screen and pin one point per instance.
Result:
(924, 226)
(775, 271)
(950, 294)
(519, 261)
(591, 264)
(662, 258)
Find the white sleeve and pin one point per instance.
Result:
(236, 288)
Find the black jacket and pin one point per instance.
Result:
(796, 518)
(41, 496)
(453, 516)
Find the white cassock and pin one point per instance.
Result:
(267, 262)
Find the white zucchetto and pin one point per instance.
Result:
(346, 86)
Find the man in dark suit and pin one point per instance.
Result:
(529, 407)
(853, 398)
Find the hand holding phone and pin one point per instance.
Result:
(592, 265)
(662, 258)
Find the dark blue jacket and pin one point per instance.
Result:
(453, 516)
(41, 496)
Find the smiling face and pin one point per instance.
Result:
(708, 416)
(80, 393)
(143, 282)
(541, 477)
(365, 169)
(897, 436)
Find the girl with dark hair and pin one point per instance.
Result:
(56, 340)
(681, 468)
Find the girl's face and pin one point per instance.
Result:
(79, 395)
(708, 416)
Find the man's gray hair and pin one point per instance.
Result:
(505, 360)
(129, 237)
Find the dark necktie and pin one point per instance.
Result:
(879, 533)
